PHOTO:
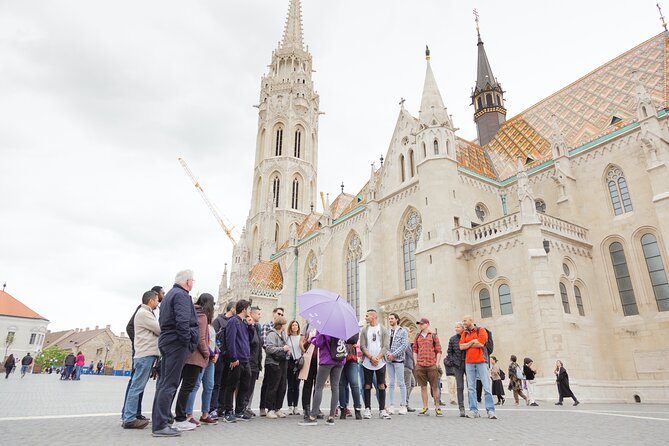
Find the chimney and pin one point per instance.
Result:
(97, 327)
(123, 334)
(108, 327)
(87, 329)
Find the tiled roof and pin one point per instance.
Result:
(266, 274)
(472, 156)
(71, 338)
(339, 204)
(10, 306)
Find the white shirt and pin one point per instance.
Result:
(373, 347)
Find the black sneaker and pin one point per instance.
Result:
(320, 416)
(410, 409)
(230, 418)
(342, 414)
(330, 420)
(358, 414)
(142, 417)
(243, 417)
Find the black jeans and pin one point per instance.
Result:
(293, 384)
(248, 399)
(460, 385)
(189, 376)
(263, 390)
(238, 380)
(171, 365)
(275, 375)
(218, 393)
(308, 388)
(380, 380)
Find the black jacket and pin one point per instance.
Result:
(256, 351)
(70, 359)
(130, 328)
(455, 357)
(178, 321)
(27, 360)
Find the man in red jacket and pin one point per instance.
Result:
(473, 340)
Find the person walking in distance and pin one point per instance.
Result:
(266, 328)
(562, 380)
(472, 341)
(26, 362)
(276, 351)
(178, 337)
(455, 361)
(255, 363)
(146, 331)
(294, 365)
(69, 363)
(399, 338)
(427, 352)
(10, 363)
(516, 380)
(222, 366)
(238, 344)
(374, 341)
(496, 376)
(79, 364)
(98, 367)
(409, 378)
(530, 371)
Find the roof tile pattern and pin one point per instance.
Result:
(10, 306)
(472, 156)
(266, 274)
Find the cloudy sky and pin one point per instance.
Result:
(98, 99)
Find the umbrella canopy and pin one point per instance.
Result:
(328, 313)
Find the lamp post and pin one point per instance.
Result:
(106, 353)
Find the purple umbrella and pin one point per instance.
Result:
(328, 313)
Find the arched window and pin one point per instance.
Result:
(620, 196)
(278, 144)
(424, 151)
(353, 255)
(479, 102)
(505, 305)
(485, 302)
(488, 100)
(411, 163)
(312, 270)
(658, 277)
(481, 212)
(276, 186)
(276, 232)
(499, 100)
(294, 202)
(448, 147)
(579, 300)
(436, 147)
(298, 143)
(402, 168)
(540, 206)
(412, 230)
(565, 298)
(623, 279)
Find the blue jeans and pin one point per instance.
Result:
(140, 376)
(78, 370)
(24, 370)
(350, 377)
(206, 377)
(480, 371)
(396, 372)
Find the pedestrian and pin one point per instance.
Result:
(146, 331)
(427, 353)
(69, 363)
(496, 376)
(26, 362)
(350, 377)
(331, 359)
(178, 337)
(530, 372)
(255, 363)
(295, 363)
(10, 363)
(238, 345)
(91, 368)
(455, 360)
(309, 370)
(374, 342)
(276, 359)
(99, 366)
(516, 380)
(266, 328)
(399, 338)
(80, 362)
(222, 365)
(409, 378)
(473, 340)
(199, 368)
(562, 380)
(130, 330)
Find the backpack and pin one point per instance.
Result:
(489, 344)
(220, 335)
(502, 375)
(337, 349)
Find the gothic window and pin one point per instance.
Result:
(488, 100)
(565, 298)
(276, 185)
(658, 277)
(278, 142)
(620, 195)
(312, 269)
(353, 255)
(276, 232)
(294, 202)
(499, 100)
(412, 230)
(436, 147)
(424, 151)
(579, 300)
(298, 144)
(448, 147)
(479, 102)
(623, 279)
(540, 206)
(505, 305)
(402, 168)
(481, 212)
(411, 163)
(485, 302)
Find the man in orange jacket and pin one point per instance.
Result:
(472, 341)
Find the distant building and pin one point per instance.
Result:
(99, 344)
(22, 330)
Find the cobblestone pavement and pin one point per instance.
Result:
(41, 410)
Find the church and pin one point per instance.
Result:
(548, 228)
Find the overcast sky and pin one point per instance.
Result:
(98, 99)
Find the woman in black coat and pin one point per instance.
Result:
(10, 363)
(562, 380)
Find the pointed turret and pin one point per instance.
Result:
(292, 34)
(432, 111)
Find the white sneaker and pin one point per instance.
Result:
(384, 415)
(296, 411)
(390, 410)
(402, 411)
(367, 414)
(272, 415)
(183, 426)
(280, 414)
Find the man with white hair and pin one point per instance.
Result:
(178, 337)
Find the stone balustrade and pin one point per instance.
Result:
(563, 228)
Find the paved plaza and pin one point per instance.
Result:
(41, 410)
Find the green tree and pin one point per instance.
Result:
(53, 355)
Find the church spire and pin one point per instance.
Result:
(431, 105)
(292, 33)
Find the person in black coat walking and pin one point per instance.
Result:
(562, 380)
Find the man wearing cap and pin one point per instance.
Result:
(427, 353)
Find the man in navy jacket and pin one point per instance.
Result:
(238, 344)
(178, 337)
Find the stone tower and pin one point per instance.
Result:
(284, 178)
(487, 98)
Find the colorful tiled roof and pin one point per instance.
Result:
(10, 306)
(472, 156)
(266, 274)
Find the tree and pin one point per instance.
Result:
(51, 356)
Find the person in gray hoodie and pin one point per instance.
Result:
(276, 351)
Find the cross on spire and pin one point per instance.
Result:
(476, 19)
(664, 22)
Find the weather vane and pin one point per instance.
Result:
(664, 22)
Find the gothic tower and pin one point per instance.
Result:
(487, 97)
(284, 179)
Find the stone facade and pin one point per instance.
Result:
(99, 344)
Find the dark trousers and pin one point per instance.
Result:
(275, 375)
(369, 376)
(293, 384)
(218, 393)
(460, 385)
(139, 403)
(308, 387)
(263, 390)
(237, 381)
(171, 365)
(248, 399)
(189, 376)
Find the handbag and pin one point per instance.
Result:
(299, 363)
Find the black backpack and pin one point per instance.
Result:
(220, 334)
(489, 344)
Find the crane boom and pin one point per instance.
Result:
(212, 208)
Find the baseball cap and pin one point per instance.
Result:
(423, 320)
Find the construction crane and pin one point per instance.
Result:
(212, 208)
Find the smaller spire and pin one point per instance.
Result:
(431, 104)
(293, 37)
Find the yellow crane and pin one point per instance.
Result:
(212, 208)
